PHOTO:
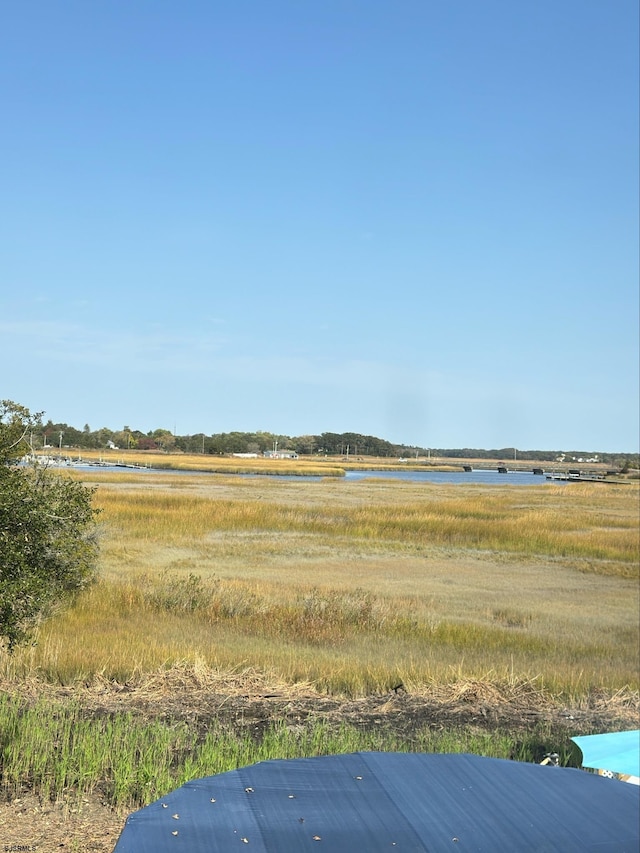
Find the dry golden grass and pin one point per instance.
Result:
(355, 586)
(577, 522)
(205, 463)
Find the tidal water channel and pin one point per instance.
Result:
(480, 476)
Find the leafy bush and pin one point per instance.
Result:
(48, 546)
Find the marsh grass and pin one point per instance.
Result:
(568, 527)
(309, 467)
(468, 594)
(57, 748)
(349, 642)
(355, 586)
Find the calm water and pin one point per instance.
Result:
(512, 478)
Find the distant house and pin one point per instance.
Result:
(280, 454)
(245, 455)
(112, 446)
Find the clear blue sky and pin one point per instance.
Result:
(414, 219)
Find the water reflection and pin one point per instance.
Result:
(511, 478)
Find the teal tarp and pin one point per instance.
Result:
(618, 752)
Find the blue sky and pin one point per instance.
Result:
(416, 220)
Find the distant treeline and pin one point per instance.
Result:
(345, 444)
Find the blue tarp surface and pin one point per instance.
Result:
(618, 752)
(370, 801)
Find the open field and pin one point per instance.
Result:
(355, 586)
(238, 618)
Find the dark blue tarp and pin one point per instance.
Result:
(371, 801)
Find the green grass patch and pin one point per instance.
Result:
(58, 748)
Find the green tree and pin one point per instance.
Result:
(164, 439)
(48, 543)
(304, 444)
(16, 424)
